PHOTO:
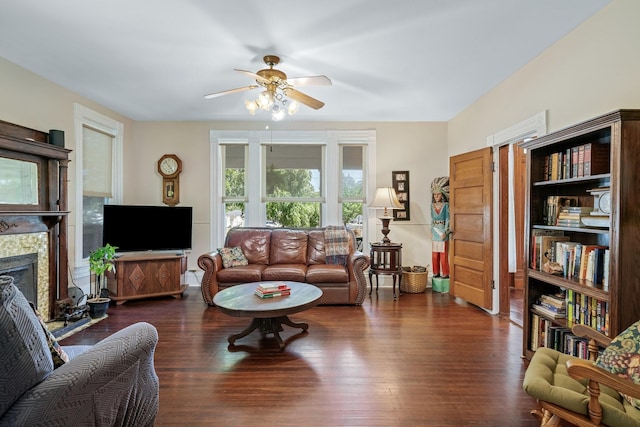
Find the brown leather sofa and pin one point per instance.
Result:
(287, 254)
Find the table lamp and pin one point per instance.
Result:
(386, 198)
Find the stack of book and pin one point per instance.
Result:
(570, 216)
(552, 306)
(275, 289)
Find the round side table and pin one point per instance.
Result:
(386, 259)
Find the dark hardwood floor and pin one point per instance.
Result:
(516, 305)
(423, 360)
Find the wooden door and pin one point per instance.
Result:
(471, 178)
(510, 281)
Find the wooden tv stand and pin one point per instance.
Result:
(147, 275)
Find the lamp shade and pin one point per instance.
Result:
(386, 198)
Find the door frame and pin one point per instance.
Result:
(534, 126)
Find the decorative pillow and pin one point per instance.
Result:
(622, 357)
(232, 257)
(57, 353)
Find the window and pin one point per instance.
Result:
(99, 170)
(97, 185)
(290, 178)
(352, 188)
(293, 184)
(234, 157)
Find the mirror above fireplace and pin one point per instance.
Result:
(19, 183)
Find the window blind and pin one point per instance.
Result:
(97, 163)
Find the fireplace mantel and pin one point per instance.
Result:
(50, 212)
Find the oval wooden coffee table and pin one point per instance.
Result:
(269, 314)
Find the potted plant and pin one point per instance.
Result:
(100, 261)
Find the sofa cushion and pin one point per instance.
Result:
(315, 248)
(255, 243)
(622, 357)
(232, 257)
(288, 247)
(25, 356)
(327, 273)
(242, 274)
(547, 379)
(286, 272)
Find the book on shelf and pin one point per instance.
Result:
(580, 172)
(536, 249)
(578, 161)
(585, 310)
(553, 206)
(547, 248)
(596, 158)
(565, 256)
(558, 300)
(572, 216)
(574, 162)
(549, 312)
(544, 333)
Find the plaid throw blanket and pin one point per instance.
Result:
(336, 244)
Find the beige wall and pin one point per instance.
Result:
(591, 71)
(419, 148)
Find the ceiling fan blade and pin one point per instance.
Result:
(303, 98)
(227, 92)
(253, 75)
(310, 81)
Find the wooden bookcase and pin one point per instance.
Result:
(613, 303)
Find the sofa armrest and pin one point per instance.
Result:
(357, 264)
(113, 383)
(211, 263)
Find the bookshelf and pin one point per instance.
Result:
(595, 268)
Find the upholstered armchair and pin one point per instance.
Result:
(112, 383)
(596, 392)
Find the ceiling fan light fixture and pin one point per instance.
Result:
(279, 96)
(265, 100)
(277, 113)
(292, 108)
(252, 106)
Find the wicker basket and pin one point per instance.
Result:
(414, 283)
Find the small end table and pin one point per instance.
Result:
(386, 259)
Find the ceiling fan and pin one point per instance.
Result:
(278, 88)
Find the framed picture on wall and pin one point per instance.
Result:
(400, 181)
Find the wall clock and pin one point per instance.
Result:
(170, 166)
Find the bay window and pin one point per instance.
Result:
(290, 179)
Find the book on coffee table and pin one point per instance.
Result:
(270, 290)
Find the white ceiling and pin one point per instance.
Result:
(389, 60)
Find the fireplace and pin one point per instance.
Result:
(33, 215)
(24, 270)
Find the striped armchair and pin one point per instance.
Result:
(112, 383)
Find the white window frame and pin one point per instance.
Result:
(84, 116)
(255, 208)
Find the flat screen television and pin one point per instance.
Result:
(147, 228)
